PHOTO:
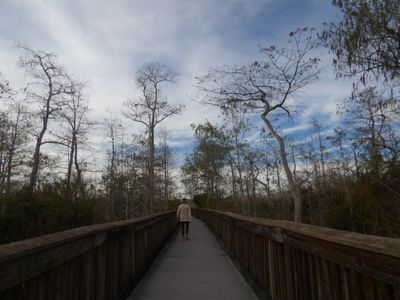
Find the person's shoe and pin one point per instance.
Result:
(183, 238)
(187, 237)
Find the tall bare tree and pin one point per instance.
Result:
(112, 126)
(150, 109)
(16, 139)
(236, 129)
(15, 123)
(74, 114)
(165, 166)
(267, 87)
(48, 85)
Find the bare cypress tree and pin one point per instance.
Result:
(150, 109)
(48, 85)
(166, 163)
(236, 131)
(19, 124)
(267, 87)
(112, 127)
(74, 115)
(15, 124)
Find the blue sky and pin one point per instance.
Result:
(104, 42)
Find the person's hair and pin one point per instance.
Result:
(184, 200)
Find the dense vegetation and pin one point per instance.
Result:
(347, 178)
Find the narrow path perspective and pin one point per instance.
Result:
(197, 269)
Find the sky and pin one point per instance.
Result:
(104, 43)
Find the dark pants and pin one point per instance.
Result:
(184, 228)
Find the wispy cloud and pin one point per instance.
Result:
(105, 42)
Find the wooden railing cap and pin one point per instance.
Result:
(382, 245)
(16, 249)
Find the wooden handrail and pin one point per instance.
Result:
(288, 260)
(101, 261)
(373, 243)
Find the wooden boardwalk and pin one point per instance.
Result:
(197, 269)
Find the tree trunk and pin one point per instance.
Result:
(234, 193)
(113, 187)
(291, 183)
(239, 166)
(36, 157)
(268, 184)
(151, 169)
(9, 170)
(79, 179)
(2, 172)
(356, 162)
(14, 136)
(253, 189)
(278, 175)
(321, 154)
(166, 175)
(69, 170)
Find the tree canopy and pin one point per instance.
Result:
(367, 40)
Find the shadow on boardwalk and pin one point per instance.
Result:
(198, 269)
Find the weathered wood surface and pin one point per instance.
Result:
(298, 261)
(195, 269)
(95, 262)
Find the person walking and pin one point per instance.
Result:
(184, 216)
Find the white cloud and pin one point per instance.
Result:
(105, 42)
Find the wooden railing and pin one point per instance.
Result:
(96, 262)
(290, 260)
